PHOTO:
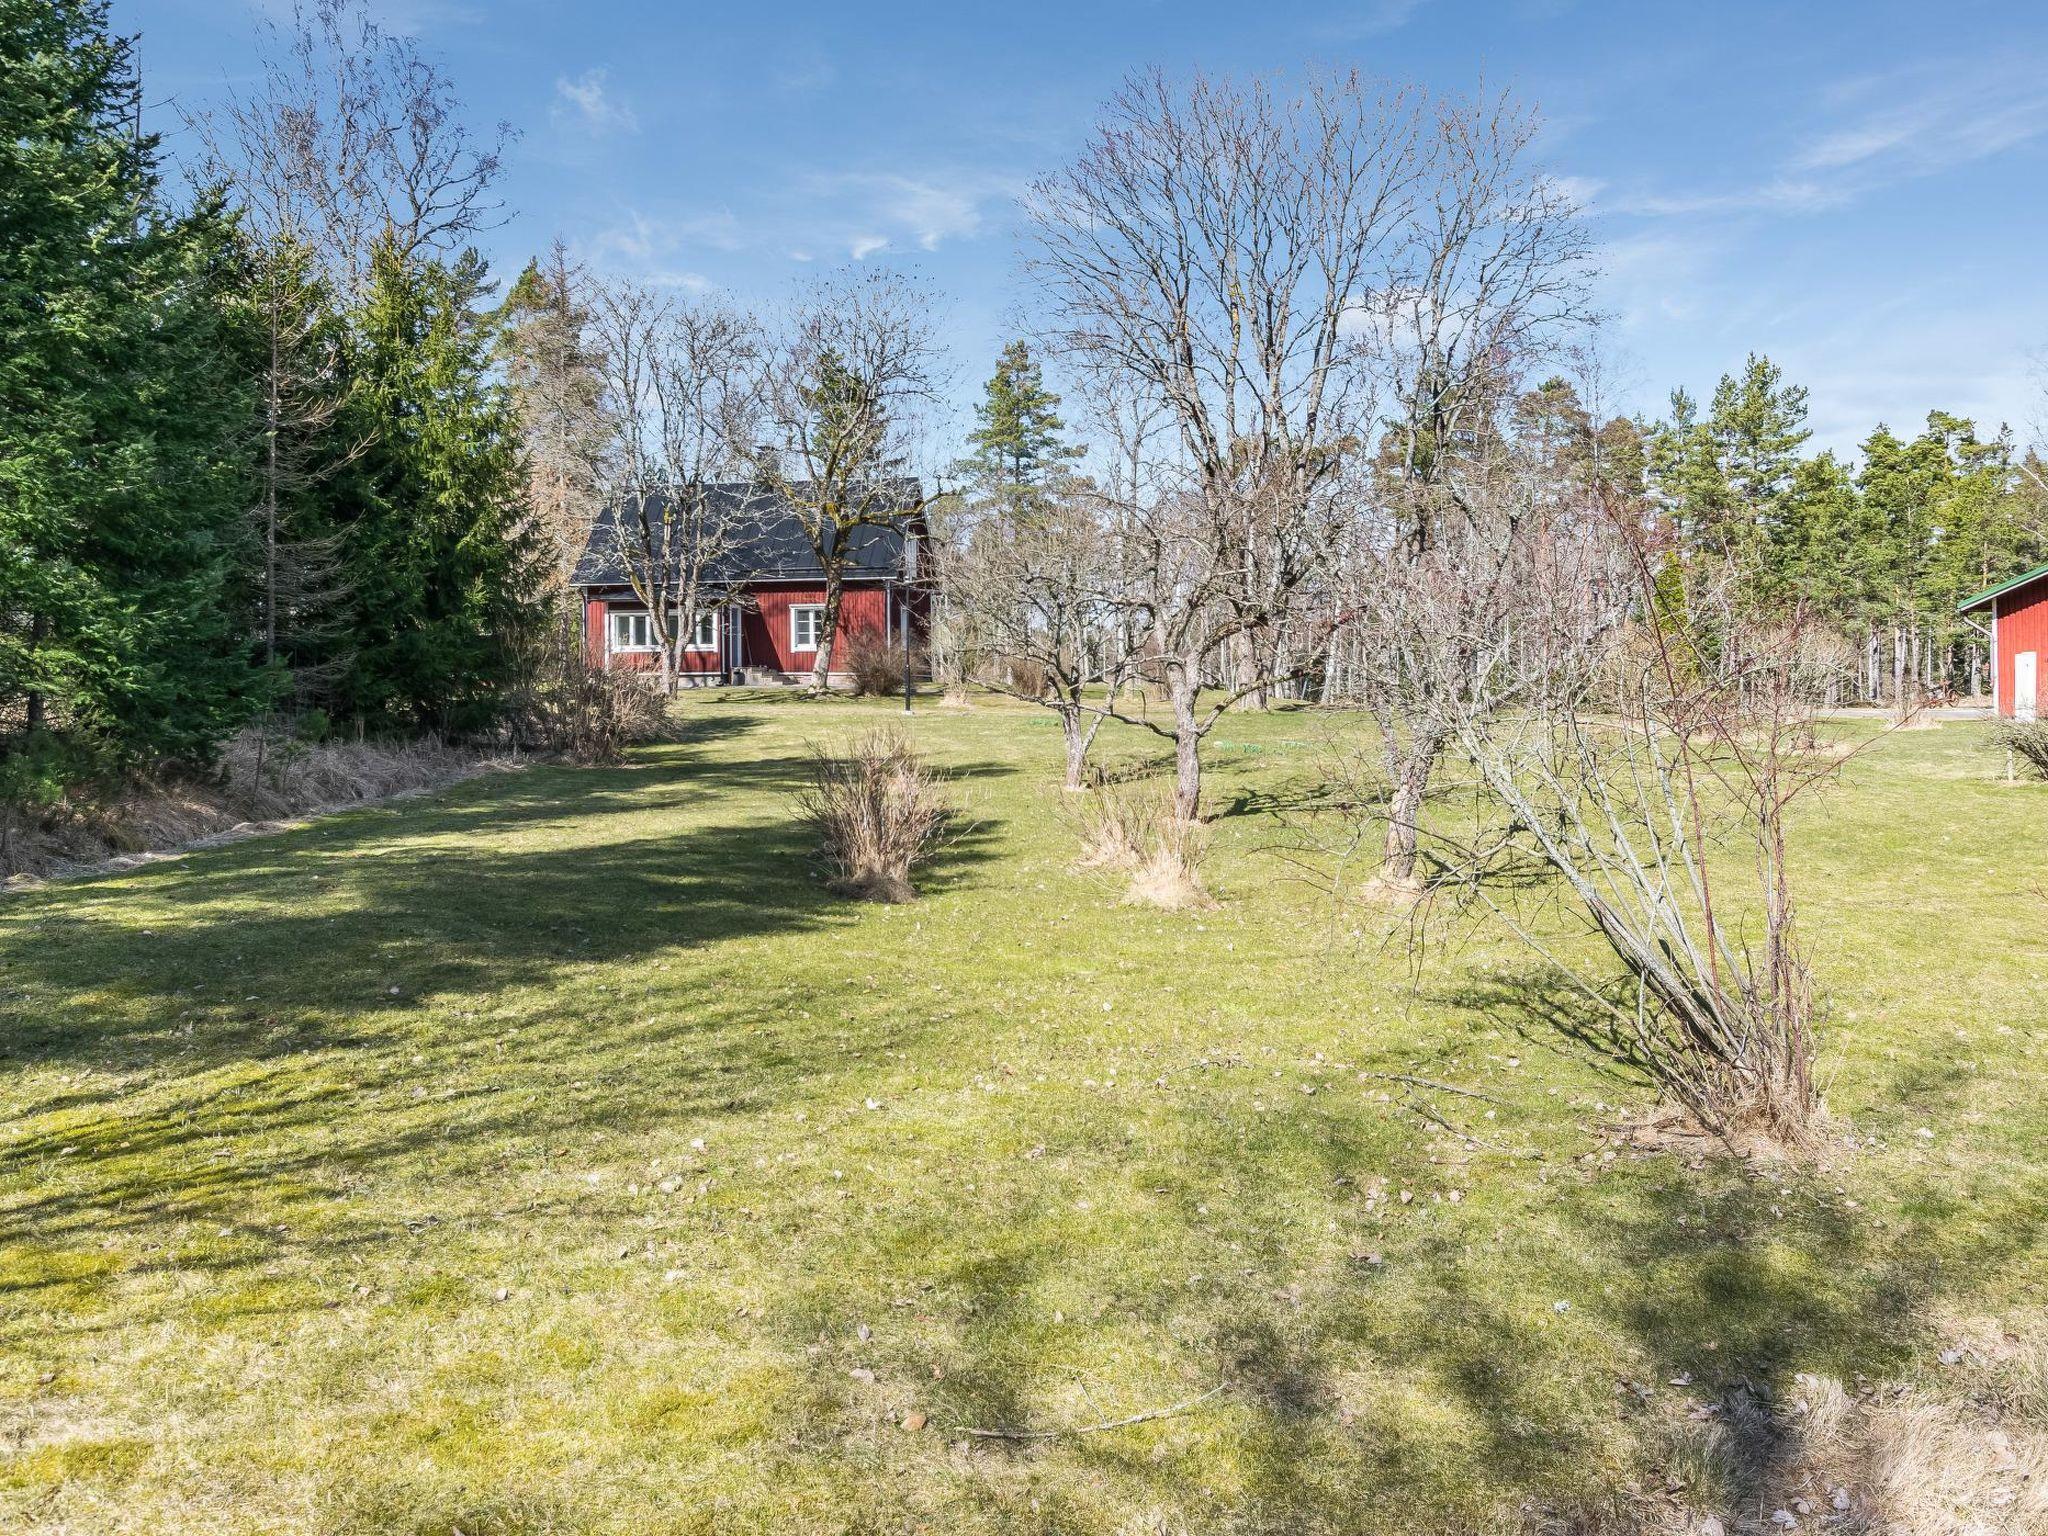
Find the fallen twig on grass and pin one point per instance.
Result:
(1470, 1139)
(1090, 1429)
(1430, 1082)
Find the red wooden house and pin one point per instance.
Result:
(2019, 639)
(762, 620)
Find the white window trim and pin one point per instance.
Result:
(795, 644)
(612, 618)
(717, 630)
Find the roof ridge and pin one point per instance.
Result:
(2001, 588)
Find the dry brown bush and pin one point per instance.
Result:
(1170, 876)
(1132, 826)
(879, 811)
(1113, 824)
(874, 663)
(586, 713)
(1027, 678)
(1957, 1448)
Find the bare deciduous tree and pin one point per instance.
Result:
(855, 361)
(354, 135)
(1433, 588)
(679, 397)
(1270, 273)
(551, 369)
(1038, 580)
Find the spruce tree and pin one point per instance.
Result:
(442, 570)
(123, 423)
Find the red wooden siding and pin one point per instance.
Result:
(597, 635)
(765, 634)
(2021, 624)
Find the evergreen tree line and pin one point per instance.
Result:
(232, 485)
(1879, 550)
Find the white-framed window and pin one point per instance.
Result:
(704, 635)
(806, 626)
(631, 631)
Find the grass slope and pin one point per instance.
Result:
(554, 1155)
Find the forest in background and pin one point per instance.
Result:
(274, 450)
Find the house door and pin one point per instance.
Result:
(2026, 695)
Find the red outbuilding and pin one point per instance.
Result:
(2019, 639)
(762, 615)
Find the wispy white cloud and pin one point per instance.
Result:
(929, 209)
(649, 244)
(1930, 123)
(1782, 194)
(812, 215)
(1886, 129)
(586, 101)
(1373, 18)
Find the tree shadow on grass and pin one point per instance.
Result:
(294, 1037)
(1443, 1388)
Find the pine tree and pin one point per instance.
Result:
(443, 572)
(1019, 441)
(1727, 478)
(121, 479)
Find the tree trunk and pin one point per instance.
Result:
(1411, 772)
(828, 628)
(1183, 684)
(1079, 728)
(38, 631)
(272, 413)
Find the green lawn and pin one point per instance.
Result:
(557, 1155)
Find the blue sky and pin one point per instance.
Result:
(1856, 189)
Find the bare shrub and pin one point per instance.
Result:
(1628, 793)
(1114, 820)
(2027, 741)
(874, 662)
(879, 812)
(265, 779)
(1027, 679)
(586, 713)
(1135, 827)
(1170, 876)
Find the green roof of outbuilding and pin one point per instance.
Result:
(2001, 589)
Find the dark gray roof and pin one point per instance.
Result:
(772, 543)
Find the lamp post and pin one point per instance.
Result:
(903, 607)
